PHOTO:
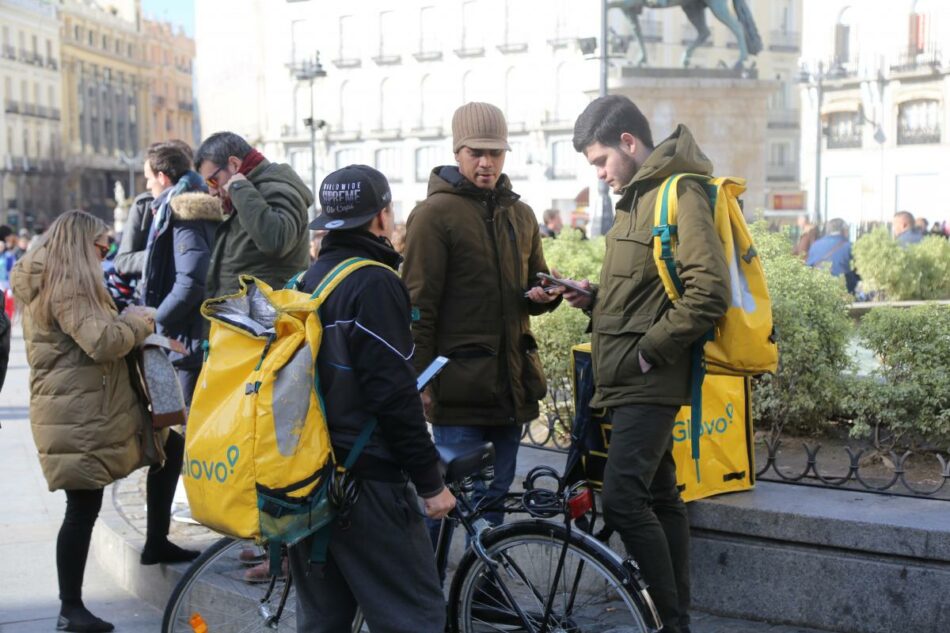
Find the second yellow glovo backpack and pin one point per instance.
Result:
(258, 459)
(742, 343)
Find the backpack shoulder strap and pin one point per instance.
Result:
(294, 282)
(340, 272)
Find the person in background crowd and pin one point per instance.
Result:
(382, 559)
(641, 341)
(938, 229)
(473, 252)
(131, 256)
(7, 261)
(904, 228)
(807, 236)
(316, 239)
(87, 421)
(833, 251)
(921, 225)
(264, 232)
(175, 266)
(552, 224)
(399, 237)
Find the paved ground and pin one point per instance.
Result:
(29, 521)
(31, 517)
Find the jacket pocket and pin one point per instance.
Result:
(616, 338)
(630, 254)
(471, 378)
(532, 373)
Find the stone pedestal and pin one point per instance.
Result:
(726, 114)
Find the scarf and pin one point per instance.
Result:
(251, 160)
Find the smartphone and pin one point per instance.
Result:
(431, 372)
(567, 283)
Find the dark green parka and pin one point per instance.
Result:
(266, 235)
(470, 256)
(632, 313)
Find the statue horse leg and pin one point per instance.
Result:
(720, 9)
(642, 61)
(696, 14)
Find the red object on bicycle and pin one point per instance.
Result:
(580, 503)
(9, 306)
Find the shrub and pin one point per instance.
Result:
(560, 330)
(895, 272)
(809, 310)
(907, 400)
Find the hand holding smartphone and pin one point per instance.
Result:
(566, 283)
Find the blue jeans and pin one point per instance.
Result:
(506, 440)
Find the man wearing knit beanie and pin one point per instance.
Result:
(473, 252)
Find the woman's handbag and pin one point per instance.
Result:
(157, 381)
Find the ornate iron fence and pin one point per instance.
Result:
(784, 461)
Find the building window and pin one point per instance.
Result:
(389, 33)
(918, 122)
(348, 156)
(349, 102)
(844, 130)
(845, 38)
(517, 98)
(388, 106)
(430, 104)
(564, 160)
(427, 158)
(389, 161)
(349, 40)
(473, 29)
(516, 161)
(517, 22)
(429, 30)
(921, 32)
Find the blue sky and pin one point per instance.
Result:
(178, 12)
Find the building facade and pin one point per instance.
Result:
(31, 159)
(875, 113)
(105, 102)
(169, 56)
(396, 71)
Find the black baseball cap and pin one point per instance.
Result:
(350, 197)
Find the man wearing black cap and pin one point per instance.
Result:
(380, 557)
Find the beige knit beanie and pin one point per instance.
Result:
(479, 126)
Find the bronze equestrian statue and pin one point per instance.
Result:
(743, 26)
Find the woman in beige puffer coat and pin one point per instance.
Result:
(87, 421)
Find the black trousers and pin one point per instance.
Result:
(642, 503)
(160, 490)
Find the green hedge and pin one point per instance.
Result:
(906, 401)
(895, 272)
(810, 313)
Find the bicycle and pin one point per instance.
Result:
(532, 575)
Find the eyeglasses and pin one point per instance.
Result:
(102, 248)
(211, 180)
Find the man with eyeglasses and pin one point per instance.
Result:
(264, 232)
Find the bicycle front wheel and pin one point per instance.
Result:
(591, 592)
(214, 591)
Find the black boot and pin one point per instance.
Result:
(77, 618)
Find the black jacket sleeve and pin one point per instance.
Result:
(382, 349)
(5, 328)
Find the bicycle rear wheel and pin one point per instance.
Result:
(214, 589)
(593, 593)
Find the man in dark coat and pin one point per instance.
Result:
(264, 231)
(381, 559)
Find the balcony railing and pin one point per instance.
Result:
(908, 62)
(187, 106)
(11, 107)
(9, 52)
(781, 172)
(52, 63)
(785, 41)
(918, 135)
(845, 141)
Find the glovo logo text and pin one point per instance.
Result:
(715, 426)
(211, 470)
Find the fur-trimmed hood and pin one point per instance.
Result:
(197, 206)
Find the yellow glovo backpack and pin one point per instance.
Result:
(742, 343)
(258, 459)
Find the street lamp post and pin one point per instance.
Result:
(308, 70)
(816, 80)
(606, 214)
(130, 162)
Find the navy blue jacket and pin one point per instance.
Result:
(365, 364)
(176, 269)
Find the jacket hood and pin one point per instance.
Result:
(268, 172)
(676, 154)
(448, 179)
(27, 275)
(197, 206)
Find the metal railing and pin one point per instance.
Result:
(787, 41)
(785, 460)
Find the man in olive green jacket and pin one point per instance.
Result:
(472, 255)
(641, 341)
(264, 232)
